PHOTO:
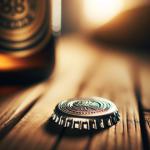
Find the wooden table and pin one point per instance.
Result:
(82, 69)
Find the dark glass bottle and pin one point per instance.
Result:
(26, 41)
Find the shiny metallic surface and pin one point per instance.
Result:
(23, 23)
(86, 113)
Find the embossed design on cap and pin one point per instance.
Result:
(86, 113)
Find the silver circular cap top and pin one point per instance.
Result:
(87, 107)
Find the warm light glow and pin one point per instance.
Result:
(8, 63)
(98, 12)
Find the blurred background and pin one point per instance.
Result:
(119, 22)
(80, 15)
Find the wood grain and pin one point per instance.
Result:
(82, 69)
(71, 70)
(15, 107)
(145, 95)
(111, 79)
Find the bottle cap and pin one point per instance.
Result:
(86, 113)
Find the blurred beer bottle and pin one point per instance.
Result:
(26, 41)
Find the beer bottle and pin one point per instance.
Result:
(26, 41)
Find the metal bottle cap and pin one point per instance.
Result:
(86, 113)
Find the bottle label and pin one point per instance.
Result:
(23, 23)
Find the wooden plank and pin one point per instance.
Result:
(74, 62)
(111, 80)
(16, 106)
(147, 124)
(144, 69)
(145, 85)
